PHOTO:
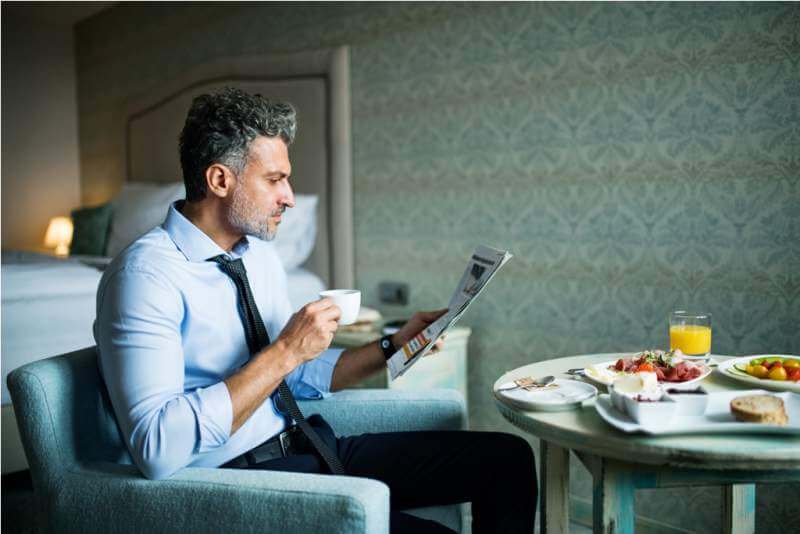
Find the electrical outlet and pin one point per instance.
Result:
(393, 293)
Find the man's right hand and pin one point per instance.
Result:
(310, 330)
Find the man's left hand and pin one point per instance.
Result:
(419, 322)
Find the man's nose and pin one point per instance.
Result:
(288, 197)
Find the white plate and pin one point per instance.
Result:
(567, 396)
(606, 379)
(718, 418)
(726, 369)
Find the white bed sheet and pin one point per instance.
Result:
(48, 307)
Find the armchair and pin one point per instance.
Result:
(84, 480)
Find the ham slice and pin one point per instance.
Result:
(660, 374)
(682, 372)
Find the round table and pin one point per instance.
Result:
(620, 463)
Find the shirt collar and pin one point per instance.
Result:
(193, 243)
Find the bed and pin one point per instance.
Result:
(48, 304)
(48, 308)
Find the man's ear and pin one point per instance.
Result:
(220, 180)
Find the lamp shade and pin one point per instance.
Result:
(59, 235)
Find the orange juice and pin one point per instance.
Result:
(692, 339)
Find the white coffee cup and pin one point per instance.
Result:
(348, 300)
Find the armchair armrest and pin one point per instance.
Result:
(116, 498)
(357, 411)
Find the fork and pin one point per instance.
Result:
(538, 383)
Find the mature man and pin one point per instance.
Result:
(203, 358)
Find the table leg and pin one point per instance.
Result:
(614, 498)
(739, 509)
(554, 493)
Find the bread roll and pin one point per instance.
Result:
(759, 409)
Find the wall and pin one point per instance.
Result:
(634, 157)
(40, 166)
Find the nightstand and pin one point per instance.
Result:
(447, 369)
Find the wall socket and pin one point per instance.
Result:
(393, 293)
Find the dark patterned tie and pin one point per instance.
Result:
(258, 338)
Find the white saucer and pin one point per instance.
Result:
(567, 396)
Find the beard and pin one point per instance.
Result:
(245, 217)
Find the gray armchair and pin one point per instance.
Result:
(84, 480)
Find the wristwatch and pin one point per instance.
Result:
(386, 345)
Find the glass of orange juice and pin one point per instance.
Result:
(691, 333)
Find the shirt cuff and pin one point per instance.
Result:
(214, 415)
(315, 380)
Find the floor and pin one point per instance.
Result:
(18, 507)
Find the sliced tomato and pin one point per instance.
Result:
(794, 374)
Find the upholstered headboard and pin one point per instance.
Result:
(317, 84)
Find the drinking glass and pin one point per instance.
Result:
(691, 333)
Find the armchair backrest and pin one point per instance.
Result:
(64, 415)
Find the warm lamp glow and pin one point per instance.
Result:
(59, 235)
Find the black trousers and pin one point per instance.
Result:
(493, 471)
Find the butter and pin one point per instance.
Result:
(636, 383)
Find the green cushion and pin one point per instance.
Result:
(90, 230)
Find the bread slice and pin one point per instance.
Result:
(759, 409)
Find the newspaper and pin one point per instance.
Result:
(482, 266)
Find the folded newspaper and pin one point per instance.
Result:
(482, 266)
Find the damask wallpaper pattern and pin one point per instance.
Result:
(635, 157)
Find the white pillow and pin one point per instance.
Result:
(138, 208)
(297, 232)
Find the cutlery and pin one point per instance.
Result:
(530, 383)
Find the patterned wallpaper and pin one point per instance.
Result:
(634, 158)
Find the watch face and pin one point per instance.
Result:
(385, 343)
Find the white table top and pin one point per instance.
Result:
(584, 430)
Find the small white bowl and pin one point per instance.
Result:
(618, 397)
(689, 401)
(651, 412)
(645, 408)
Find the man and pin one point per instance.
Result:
(203, 357)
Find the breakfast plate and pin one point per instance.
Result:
(600, 374)
(559, 396)
(717, 419)
(733, 368)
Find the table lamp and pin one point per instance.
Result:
(59, 235)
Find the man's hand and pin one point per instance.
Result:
(419, 322)
(356, 364)
(310, 330)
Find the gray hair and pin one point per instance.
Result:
(219, 129)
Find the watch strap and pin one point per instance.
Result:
(386, 345)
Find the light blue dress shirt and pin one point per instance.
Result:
(169, 332)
